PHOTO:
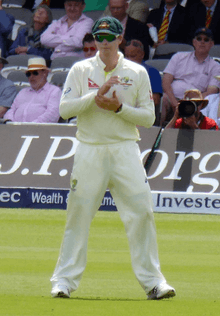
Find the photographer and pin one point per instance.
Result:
(188, 114)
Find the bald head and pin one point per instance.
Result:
(134, 51)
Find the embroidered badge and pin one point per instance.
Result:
(126, 82)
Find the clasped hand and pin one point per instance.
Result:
(110, 104)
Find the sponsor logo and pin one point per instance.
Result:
(126, 82)
(6, 197)
(92, 84)
(67, 90)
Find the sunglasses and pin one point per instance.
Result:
(86, 49)
(35, 73)
(199, 39)
(108, 37)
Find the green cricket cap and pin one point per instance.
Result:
(107, 25)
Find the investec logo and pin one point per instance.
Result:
(6, 197)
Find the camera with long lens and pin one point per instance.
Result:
(187, 108)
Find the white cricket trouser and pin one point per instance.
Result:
(118, 167)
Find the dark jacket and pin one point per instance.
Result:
(53, 4)
(26, 37)
(197, 18)
(177, 27)
(138, 30)
(6, 25)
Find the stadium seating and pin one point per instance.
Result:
(17, 76)
(58, 79)
(171, 48)
(15, 63)
(159, 64)
(215, 51)
(13, 3)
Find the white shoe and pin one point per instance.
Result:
(60, 291)
(161, 291)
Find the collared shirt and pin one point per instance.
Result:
(205, 123)
(188, 73)
(7, 92)
(99, 126)
(40, 106)
(212, 8)
(67, 41)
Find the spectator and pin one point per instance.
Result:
(7, 90)
(169, 21)
(190, 70)
(137, 9)
(89, 47)
(212, 110)
(205, 13)
(133, 29)
(38, 103)
(196, 120)
(28, 39)
(6, 25)
(33, 4)
(66, 34)
(134, 50)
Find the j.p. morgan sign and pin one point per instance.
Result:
(36, 163)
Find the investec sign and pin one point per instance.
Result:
(36, 163)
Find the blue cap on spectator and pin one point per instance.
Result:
(205, 31)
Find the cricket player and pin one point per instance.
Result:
(110, 96)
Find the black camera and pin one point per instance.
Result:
(187, 108)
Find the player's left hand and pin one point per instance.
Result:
(110, 104)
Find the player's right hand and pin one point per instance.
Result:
(108, 84)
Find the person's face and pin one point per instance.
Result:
(41, 16)
(89, 49)
(74, 9)
(37, 78)
(134, 53)
(108, 47)
(118, 8)
(202, 44)
(208, 3)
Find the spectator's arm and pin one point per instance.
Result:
(3, 110)
(172, 122)
(167, 88)
(6, 22)
(210, 90)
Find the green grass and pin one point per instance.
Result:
(189, 249)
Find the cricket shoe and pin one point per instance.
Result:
(60, 291)
(161, 291)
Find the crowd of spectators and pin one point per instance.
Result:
(194, 22)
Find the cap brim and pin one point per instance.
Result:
(205, 102)
(37, 68)
(105, 32)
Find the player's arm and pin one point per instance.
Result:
(72, 102)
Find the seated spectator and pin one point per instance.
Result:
(28, 39)
(89, 47)
(66, 34)
(134, 50)
(190, 70)
(7, 90)
(212, 110)
(33, 4)
(196, 120)
(137, 9)
(38, 103)
(169, 21)
(204, 13)
(133, 29)
(6, 25)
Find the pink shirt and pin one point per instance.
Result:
(67, 41)
(40, 106)
(190, 74)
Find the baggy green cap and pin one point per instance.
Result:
(107, 25)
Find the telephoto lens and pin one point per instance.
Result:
(187, 108)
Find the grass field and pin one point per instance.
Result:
(189, 249)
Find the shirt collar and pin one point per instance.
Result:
(103, 65)
(65, 17)
(45, 87)
(171, 10)
(212, 8)
(206, 59)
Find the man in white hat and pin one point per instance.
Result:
(189, 115)
(7, 90)
(38, 103)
